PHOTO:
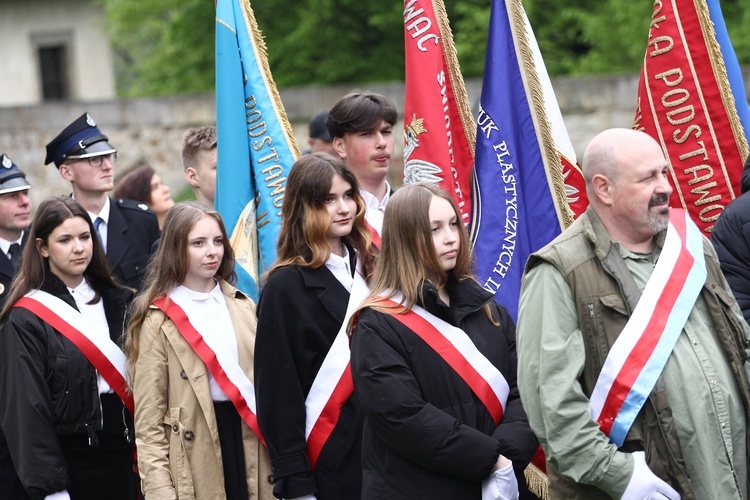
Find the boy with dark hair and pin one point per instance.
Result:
(361, 127)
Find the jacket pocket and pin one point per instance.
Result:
(179, 464)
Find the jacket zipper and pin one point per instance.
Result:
(595, 334)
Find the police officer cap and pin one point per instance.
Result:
(318, 129)
(11, 177)
(80, 139)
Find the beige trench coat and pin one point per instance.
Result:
(179, 455)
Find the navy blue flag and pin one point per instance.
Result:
(527, 185)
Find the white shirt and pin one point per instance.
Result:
(94, 314)
(341, 268)
(209, 314)
(104, 214)
(376, 208)
(5, 244)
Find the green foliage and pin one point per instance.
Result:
(332, 41)
(162, 47)
(167, 46)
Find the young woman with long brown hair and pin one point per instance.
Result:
(63, 393)
(308, 414)
(190, 346)
(434, 365)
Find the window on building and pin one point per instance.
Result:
(53, 53)
(53, 71)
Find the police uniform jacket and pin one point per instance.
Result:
(427, 435)
(49, 394)
(6, 272)
(300, 312)
(132, 229)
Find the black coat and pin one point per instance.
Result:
(731, 239)
(6, 271)
(132, 230)
(299, 314)
(49, 396)
(427, 435)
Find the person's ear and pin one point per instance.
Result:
(339, 146)
(41, 247)
(66, 172)
(192, 178)
(603, 189)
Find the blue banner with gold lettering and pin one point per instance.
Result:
(526, 174)
(256, 147)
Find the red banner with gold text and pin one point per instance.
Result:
(439, 131)
(686, 103)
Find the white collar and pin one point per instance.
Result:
(5, 244)
(372, 201)
(83, 290)
(338, 261)
(216, 293)
(103, 213)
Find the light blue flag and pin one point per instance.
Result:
(256, 147)
(526, 174)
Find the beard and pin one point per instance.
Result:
(658, 220)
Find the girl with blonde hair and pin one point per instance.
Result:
(190, 345)
(434, 364)
(308, 413)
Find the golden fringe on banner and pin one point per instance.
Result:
(552, 160)
(536, 481)
(261, 55)
(454, 73)
(722, 79)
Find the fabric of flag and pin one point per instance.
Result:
(528, 186)
(438, 126)
(256, 146)
(691, 99)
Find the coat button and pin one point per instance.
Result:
(176, 429)
(270, 479)
(183, 375)
(189, 436)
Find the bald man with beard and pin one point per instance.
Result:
(592, 303)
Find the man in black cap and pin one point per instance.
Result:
(320, 139)
(127, 229)
(15, 217)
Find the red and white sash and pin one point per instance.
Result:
(105, 356)
(644, 346)
(374, 235)
(457, 349)
(333, 383)
(219, 361)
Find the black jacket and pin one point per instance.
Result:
(299, 314)
(427, 435)
(731, 239)
(48, 392)
(132, 230)
(6, 271)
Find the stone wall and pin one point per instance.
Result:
(152, 128)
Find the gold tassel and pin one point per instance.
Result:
(536, 480)
(261, 55)
(454, 73)
(550, 154)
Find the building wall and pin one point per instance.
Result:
(27, 24)
(152, 128)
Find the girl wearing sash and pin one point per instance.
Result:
(68, 432)
(434, 365)
(190, 345)
(324, 252)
